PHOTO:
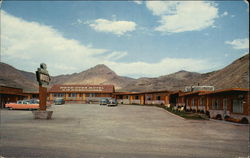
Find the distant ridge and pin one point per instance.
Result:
(234, 75)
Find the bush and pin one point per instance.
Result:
(244, 120)
(218, 117)
(226, 117)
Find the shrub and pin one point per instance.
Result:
(244, 120)
(218, 117)
(226, 117)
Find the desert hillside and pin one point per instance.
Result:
(234, 75)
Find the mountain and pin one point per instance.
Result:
(175, 81)
(10, 76)
(234, 75)
(99, 74)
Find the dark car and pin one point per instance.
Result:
(104, 101)
(112, 102)
(59, 101)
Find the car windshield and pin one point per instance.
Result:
(26, 102)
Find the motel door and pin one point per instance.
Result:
(225, 106)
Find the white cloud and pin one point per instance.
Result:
(115, 27)
(115, 56)
(162, 7)
(165, 66)
(239, 43)
(27, 44)
(183, 15)
(224, 14)
(138, 2)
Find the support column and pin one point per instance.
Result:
(51, 97)
(130, 99)
(166, 100)
(142, 99)
(67, 95)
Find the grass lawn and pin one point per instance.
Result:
(188, 115)
(184, 114)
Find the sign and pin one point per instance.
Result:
(42, 75)
(82, 88)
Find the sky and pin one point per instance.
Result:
(133, 38)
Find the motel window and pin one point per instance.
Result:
(201, 101)
(237, 106)
(120, 96)
(92, 95)
(136, 97)
(225, 103)
(192, 102)
(59, 95)
(72, 94)
(215, 104)
(126, 96)
(158, 98)
(148, 98)
(187, 102)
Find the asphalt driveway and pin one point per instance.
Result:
(90, 130)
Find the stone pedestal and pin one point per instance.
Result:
(42, 114)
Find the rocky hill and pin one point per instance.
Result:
(99, 74)
(234, 75)
(10, 76)
(175, 81)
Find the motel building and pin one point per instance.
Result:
(219, 104)
(13, 94)
(222, 104)
(225, 103)
(81, 93)
(194, 102)
(145, 98)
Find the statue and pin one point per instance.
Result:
(42, 75)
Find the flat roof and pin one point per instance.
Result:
(137, 93)
(226, 90)
(10, 87)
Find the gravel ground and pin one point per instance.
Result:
(126, 131)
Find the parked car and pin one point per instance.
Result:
(23, 104)
(104, 101)
(34, 101)
(112, 102)
(59, 101)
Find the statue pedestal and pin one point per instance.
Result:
(42, 114)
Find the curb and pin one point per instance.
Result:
(227, 122)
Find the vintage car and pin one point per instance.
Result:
(112, 102)
(59, 101)
(32, 104)
(104, 101)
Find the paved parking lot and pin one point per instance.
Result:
(81, 130)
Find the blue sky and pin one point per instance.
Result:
(134, 38)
